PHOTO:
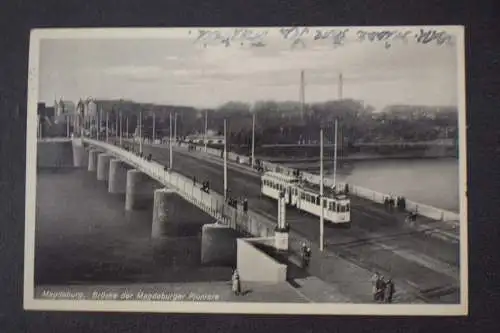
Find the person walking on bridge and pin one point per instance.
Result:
(245, 205)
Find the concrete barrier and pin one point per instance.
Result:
(218, 244)
(256, 265)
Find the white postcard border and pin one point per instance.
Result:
(224, 307)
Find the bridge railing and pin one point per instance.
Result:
(212, 203)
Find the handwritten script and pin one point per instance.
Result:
(228, 38)
(303, 36)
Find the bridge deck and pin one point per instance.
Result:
(377, 241)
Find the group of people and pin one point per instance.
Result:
(383, 290)
(205, 185)
(234, 203)
(390, 203)
(146, 157)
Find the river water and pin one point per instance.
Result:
(434, 182)
(85, 236)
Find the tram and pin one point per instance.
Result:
(305, 197)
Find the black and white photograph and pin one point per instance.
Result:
(283, 170)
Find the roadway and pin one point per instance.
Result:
(378, 240)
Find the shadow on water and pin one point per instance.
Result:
(85, 236)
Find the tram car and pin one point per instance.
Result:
(305, 197)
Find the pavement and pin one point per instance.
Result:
(425, 268)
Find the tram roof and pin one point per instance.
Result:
(307, 186)
(280, 176)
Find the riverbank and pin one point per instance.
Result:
(352, 158)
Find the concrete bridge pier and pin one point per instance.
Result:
(139, 190)
(79, 155)
(103, 166)
(92, 165)
(163, 212)
(218, 244)
(117, 179)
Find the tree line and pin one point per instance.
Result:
(291, 122)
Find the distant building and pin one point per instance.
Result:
(49, 111)
(64, 107)
(41, 109)
(91, 108)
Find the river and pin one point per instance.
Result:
(434, 182)
(85, 236)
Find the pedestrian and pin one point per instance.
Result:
(380, 289)
(304, 254)
(389, 291)
(375, 279)
(236, 283)
(307, 256)
(245, 205)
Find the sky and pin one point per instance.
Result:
(179, 71)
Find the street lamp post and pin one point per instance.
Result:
(253, 140)
(140, 132)
(335, 157)
(206, 129)
(154, 128)
(175, 126)
(225, 159)
(121, 129)
(97, 125)
(170, 140)
(321, 219)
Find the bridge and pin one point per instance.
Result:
(422, 258)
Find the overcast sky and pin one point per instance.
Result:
(178, 71)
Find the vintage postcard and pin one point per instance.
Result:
(278, 170)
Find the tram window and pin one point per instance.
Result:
(317, 200)
(347, 208)
(325, 204)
